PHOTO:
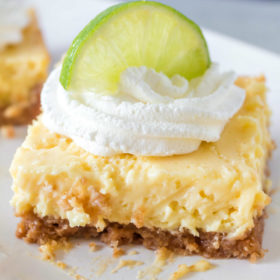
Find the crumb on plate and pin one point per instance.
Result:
(163, 257)
(93, 246)
(118, 252)
(61, 265)
(184, 269)
(129, 263)
(8, 131)
(49, 248)
(132, 253)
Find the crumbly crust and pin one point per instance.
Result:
(34, 229)
(24, 112)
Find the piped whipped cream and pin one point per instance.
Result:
(150, 114)
(13, 18)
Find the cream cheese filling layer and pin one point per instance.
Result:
(149, 115)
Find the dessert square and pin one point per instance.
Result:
(23, 69)
(209, 202)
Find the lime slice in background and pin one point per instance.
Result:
(133, 34)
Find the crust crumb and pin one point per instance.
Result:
(8, 131)
(72, 272)
(255, 256)
(118, 252)
(49, 248)
(129, 263)
(132, 253)
(100, 265)
(163, 257)
(80, 277)
(93, 247)
(48, 251)
(61, 265)
(184, 269)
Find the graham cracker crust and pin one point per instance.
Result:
(24, 112)
(34, 229)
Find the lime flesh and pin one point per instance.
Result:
(134, 34)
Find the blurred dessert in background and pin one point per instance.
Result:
(24, 62)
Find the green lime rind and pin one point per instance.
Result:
(80, 40)
(90, 29)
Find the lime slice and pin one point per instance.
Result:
(134, 34)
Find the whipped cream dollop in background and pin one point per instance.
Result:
(13, 18)
(150, 115)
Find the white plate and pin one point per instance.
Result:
(19, 261)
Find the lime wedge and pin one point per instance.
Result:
(134, 34)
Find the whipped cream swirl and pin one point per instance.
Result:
(13, 18)
(150, 114)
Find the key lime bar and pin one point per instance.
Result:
(210, 201)
(23, 69)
